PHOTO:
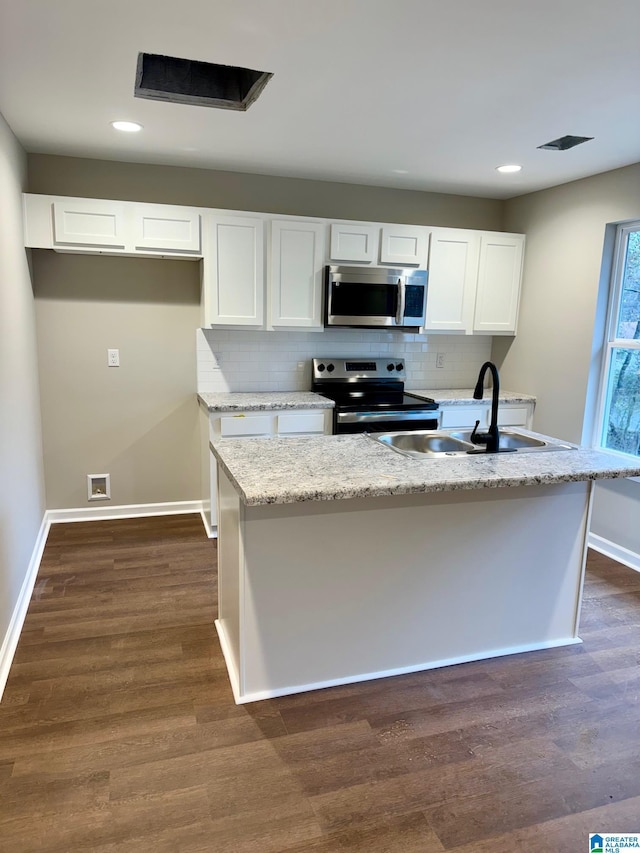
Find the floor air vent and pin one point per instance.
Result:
(203, 84)
(565, 142)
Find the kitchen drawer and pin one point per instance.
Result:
(463, 416)
(513, 416)
(301, 422)
(239, 425)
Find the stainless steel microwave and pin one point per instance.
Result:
(374, 297)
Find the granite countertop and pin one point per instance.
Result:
(259, 401)
(290, 470)
(464, 396)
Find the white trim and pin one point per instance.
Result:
(107, 513)
(615, 552)
(259, 695)
(232, 672)
(211, 533)
(10, 642)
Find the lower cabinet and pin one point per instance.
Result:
(465, 417)
(282, 423)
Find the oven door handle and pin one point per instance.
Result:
(378, 417)
(401, 302)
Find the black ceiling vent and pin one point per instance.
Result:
(204, 84)
(565, 142)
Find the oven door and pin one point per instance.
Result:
(384, 421)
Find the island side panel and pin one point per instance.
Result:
(230, 579)
(343, 591)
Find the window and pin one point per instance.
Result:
(620, 399)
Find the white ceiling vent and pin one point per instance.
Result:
(203, 84)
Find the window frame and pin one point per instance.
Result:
(611, 342)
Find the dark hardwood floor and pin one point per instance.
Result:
(118, 730)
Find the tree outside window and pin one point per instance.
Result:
(621, 422)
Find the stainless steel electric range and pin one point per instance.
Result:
(369, 395)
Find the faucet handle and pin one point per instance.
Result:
(475, 429)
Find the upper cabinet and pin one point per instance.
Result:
(89, 223)
(355, 243)
(499, 279)
(404, 245)
(265, 272)
(474, 281)
(297, 261)
(164, 228)
(373, 244)
(233, 271)
(111, 227)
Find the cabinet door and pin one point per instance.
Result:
(301, 423)
(297, 256)
(233, 271)
(89, 223)
(453, 272)
(166, 228)
(353, 242)
(404, 245)
(459, 417)
(499, 278)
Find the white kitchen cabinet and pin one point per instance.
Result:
(166, 228)
(453, 273)
(233, 271)
(354, 242)
(474, 281)
(92, 226)
(465, 416)
(281, 423)
(89, 223)
(297, 259)
(404, 245)
(373, 243)
(499, 277)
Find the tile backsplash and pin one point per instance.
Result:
(231, 360)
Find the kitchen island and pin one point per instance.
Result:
(341, 560)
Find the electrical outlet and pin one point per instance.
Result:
(217, 361)
(113, 357)
(440, 359)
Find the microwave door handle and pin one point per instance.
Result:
(401, 302)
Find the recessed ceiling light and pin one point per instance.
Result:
(508, 168)
(400, 171)
(127, 126)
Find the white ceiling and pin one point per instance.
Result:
(414, 94)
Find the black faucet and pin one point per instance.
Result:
(491, 438)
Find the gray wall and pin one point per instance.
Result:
(563, 297)
(21, 478)
(139, 422)
(237, 191)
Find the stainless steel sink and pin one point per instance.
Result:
(511, 440)
(422, 444)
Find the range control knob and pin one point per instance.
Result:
(391, 367)
(321, 368)
(399, 366)
(331, 368)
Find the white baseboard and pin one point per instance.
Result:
(109, 513)
(211, 533)
(616, 552)
(10, 642)
(241, 698)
